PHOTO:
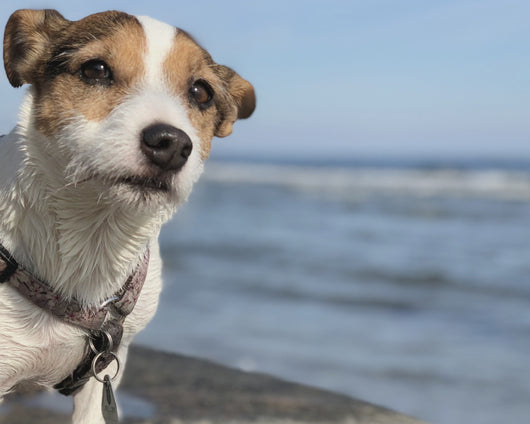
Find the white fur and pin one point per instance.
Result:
(65, 219)
(160, 37)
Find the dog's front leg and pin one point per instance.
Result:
(87, 402)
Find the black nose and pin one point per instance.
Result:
(165, 146)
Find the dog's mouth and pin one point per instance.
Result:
(162, 184)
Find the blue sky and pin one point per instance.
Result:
(339, 78)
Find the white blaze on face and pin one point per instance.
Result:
(160, 38)
(161, 104)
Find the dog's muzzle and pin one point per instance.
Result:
(166, 147)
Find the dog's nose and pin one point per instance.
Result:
(165, 146)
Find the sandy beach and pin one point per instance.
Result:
(175, 389)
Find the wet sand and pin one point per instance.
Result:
(177, 389)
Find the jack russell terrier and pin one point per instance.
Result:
(111, 137)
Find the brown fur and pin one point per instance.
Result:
(185, 64)
(233, 96)
(55, 73)
(46, 50)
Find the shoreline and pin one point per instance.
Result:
(175, 389)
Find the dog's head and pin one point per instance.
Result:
(127, 105)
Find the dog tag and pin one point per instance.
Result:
(108, 403)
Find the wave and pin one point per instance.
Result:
(502, 184)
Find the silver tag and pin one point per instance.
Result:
(108, 403)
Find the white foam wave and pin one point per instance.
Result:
(360, 182)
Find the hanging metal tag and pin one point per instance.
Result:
(109, 410)
(108, 403)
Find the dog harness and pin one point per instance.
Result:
(104, 323)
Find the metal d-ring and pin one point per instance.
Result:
(109, 340)
(97, 358)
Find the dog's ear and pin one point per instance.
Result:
(27, 40)
(238, 103)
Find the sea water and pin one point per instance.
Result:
(401, 283)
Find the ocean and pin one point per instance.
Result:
(402, 283)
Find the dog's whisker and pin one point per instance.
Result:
(73, 184)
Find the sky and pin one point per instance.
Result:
(356, 79)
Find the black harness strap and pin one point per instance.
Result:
(8, 265)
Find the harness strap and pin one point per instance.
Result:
(8, 265)
(80, 376)
(100, 321)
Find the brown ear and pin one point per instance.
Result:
(26, 40)
(240, 100)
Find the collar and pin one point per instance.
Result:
(104, 323)
(91, 318)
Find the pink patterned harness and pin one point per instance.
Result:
(104, 323)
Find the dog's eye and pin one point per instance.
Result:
(201, 93)
(96, 72)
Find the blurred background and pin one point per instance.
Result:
(366, 231)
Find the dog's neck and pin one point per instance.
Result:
(82, 245)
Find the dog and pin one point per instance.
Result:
(112, 134)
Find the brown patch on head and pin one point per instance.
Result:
(44, 49)
(232, 96)
(185, 64)
(26, 42)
